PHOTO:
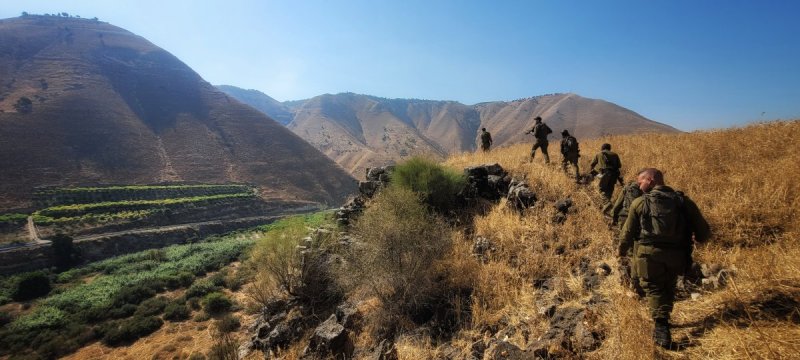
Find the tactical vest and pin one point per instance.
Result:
(631, 193)
(540, 131)
(663, 222)
(609, 165)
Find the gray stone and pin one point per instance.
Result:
(329, 337)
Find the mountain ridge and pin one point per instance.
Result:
(347, 124)
(109, 107)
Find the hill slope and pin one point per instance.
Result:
(360, 131)
(262, 102)
(109, 107)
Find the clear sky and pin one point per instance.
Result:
(693, 64)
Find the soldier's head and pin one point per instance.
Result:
(565, 133)
(538, 119)
(483, 129)
(605, 146)
(648, 178)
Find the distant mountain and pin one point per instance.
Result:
(262, 102)
(84, 102)
(361, 131)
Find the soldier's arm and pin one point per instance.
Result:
(617, 208)
(699, 225)
(594, 162)
(631, 228)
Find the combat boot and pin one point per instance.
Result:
(662, 335)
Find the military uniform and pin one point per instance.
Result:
(662, 222)
(570, 154)
(619, 213)
(486, 140)
(608, 163)
(540, 132)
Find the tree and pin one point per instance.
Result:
(24, 105)
(24, 13)
(63, 251)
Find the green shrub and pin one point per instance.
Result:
(5, 318)
(402, 242)
(133, 294)
(216, 303)
(437, 184)
(31, 286)
(179, 280)
(115, 312)
(201, 288)
(152, 306)
(228, 323)
(218, 279)
(123, 332)
(176, 311)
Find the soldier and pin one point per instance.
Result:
(609, 166)
(619, 213)
(664, 222)
(540, 131)
(570, 153)
(486, 140)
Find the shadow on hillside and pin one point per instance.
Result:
(773, 307)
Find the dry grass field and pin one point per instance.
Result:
(745, 182)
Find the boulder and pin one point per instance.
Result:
(504, 350)
(330, 338)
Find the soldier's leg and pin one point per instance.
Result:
(577, 171)
(635, 284)
(658, 272)
(565, 165)
(533, 150)
(544, 151)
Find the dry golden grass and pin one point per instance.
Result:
(742, 179)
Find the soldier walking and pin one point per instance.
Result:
(486, 140)
(619, 213)
(609, 167)
(570, 153)
(540, 131)
(665, 223)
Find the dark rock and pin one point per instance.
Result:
(559, 218)
(347, 314)
(563, 205)
(477, 349)
(368, 188)
(520, 197)
(504, 350)
(331, 338)
(384, 351)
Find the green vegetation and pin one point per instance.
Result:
(128, 205)
(13, 218)
(30, 286)
(85, 195)
(216, 303)
(437, 184)
(116, 300)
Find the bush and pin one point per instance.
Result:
(152, 306)
(114, 313)
(5, 318)
(176, 311)
(437, 184)
(127, 331)
(200, 288)
(133, 294)
(228, 323)
(182, 279)
(31, 286)
(402, 243)
(225, 347)
(216, 303)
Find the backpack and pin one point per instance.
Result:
(569, 145)
(663, 221)
(631, 193)
(610, 165)
(540, 131)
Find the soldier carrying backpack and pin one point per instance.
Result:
(570, 153)
(664, 224)
(540, 131)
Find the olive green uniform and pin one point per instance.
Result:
(664, 234)
(619, 213)
(486, 140)
(570, 156)
(608, 163)
(540, 132)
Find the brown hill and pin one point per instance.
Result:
(109, 107)
(360, 131)
(262, 102)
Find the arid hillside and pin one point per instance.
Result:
(361, 131)
(262, 102)
(83, 102)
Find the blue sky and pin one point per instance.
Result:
(691, 64)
